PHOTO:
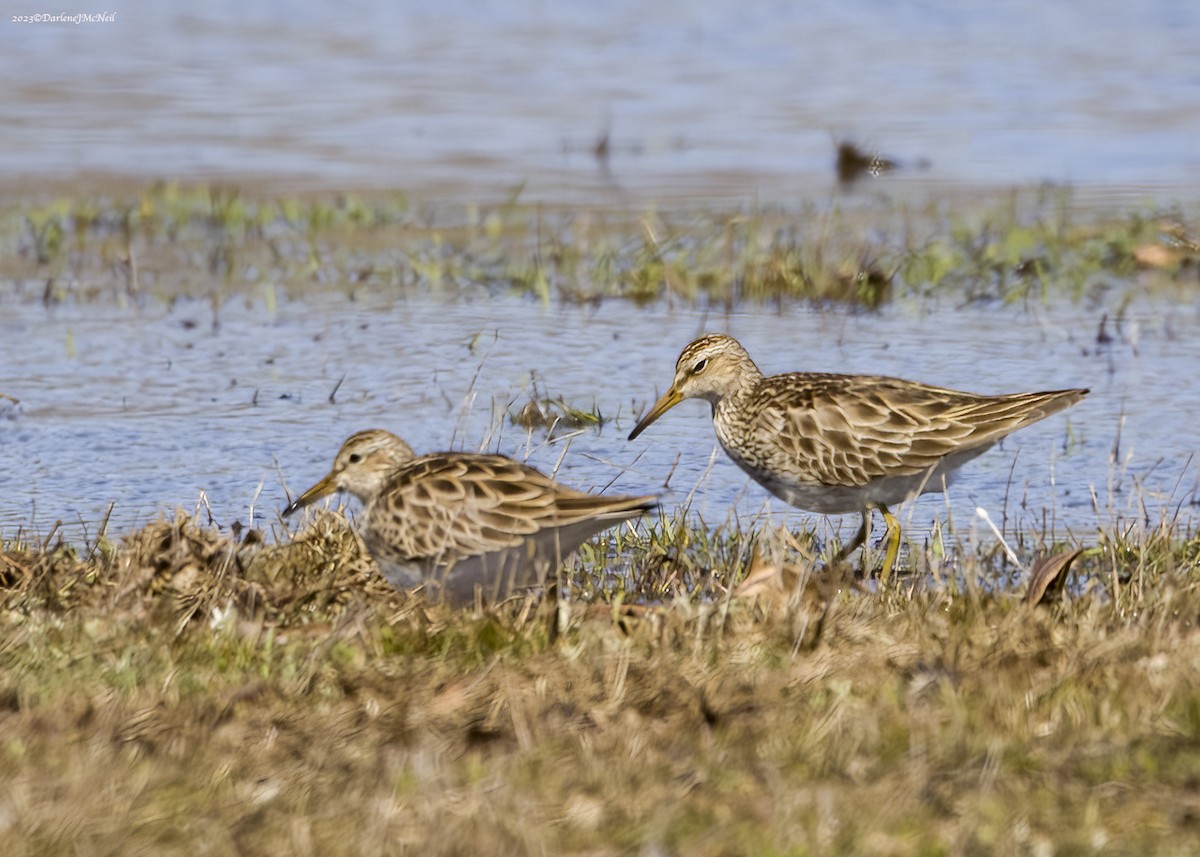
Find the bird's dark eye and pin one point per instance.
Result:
(355, 458)
(699, 366)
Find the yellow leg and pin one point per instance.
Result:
(893, 544)
(853, 545)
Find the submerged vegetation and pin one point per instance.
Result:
(553, 415)
(184, 692)
(170, 241)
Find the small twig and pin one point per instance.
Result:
(50, 535)
(563, 454)
(254, 499)
(333, 392)
(102, 533)
(983, 513)
(624, 468)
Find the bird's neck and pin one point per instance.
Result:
(369, 486)
(738, 389)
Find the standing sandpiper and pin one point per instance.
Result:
(844, 443)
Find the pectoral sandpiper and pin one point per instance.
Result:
(844, 443)
(460, 523)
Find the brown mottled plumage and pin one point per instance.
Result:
(459, 522)
(844, 443)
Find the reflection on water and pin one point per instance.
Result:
(149, 408)
(700, 97)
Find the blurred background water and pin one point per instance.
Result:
(698, 98)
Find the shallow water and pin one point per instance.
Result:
(147, 408)
(704, 98)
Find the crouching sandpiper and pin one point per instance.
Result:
(464, 524)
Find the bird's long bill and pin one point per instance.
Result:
(323, 488)
(669, 399)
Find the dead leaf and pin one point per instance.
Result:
(777, 583)
(1156, 256)
(1046, 570)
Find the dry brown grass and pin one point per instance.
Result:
(183, 693)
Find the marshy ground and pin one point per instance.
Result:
(184, 689)
(185, 692)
